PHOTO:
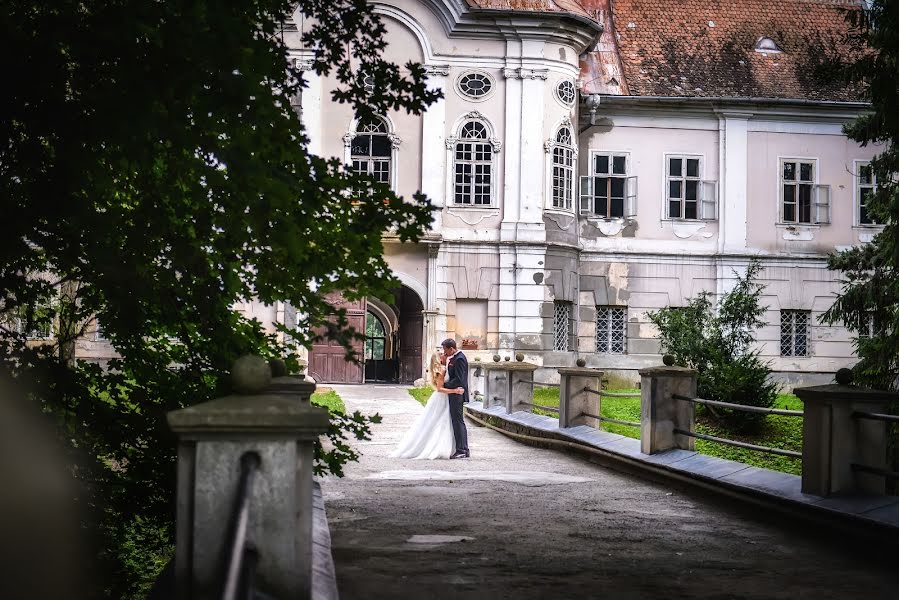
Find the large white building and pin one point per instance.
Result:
(597, 159)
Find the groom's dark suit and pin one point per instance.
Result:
(457, 376)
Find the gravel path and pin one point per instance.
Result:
(519, 522)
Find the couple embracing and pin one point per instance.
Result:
(439, 432)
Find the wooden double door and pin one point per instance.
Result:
(327, 358)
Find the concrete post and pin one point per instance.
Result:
(832, 440)
(279, 425)
(574, 401)
(660, 413)
(509, 384)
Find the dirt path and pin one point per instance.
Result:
(543, 524)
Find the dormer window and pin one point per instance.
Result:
(766, 45)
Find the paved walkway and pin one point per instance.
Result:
(519, 522)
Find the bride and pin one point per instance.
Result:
(431, 436)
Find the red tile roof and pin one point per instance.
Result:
(706, 48)
(555, 6)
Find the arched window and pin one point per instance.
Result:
(473, 166)
(563, 169)
(375, 337)
(370, 150)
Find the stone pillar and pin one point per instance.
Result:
(509, 384)
(832, 440)
(574, 401)
(477, 380)
(280, 426)
(660, 413)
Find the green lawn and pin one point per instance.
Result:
(330, 400)
(778, 431)
(421, 394)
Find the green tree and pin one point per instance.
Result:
(716, 340)
(869, 300)
(152, 174)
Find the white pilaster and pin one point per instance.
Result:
(433, 151)
(512, 175)
(733, 201)
(311, 103)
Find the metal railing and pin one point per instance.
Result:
(889, 420)
(601, 418)
(532, 382)
(540, 406)
(242, 558)
(741, 408)
(611, 420)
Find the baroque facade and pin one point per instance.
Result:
(597, 159)
(593, 160)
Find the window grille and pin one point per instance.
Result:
(473, 169)
(561, 326)
(563, 169)
(611, 329)
(794, 332)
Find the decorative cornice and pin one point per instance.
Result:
(522, 73)
(497, 145)
(451, 142)
(304, 64)
(348, 139)
(395, 140)
(437, 70)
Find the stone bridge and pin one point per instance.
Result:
(520, 522)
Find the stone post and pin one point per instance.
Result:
(832, 440)
(477, 380)
(574, 401)
(660, 413)
(509, 384)
(280, 426)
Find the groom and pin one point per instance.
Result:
(457, 376)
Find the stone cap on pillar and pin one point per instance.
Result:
(508, 366)
(665, 371)
(269, 414)
(844, 393)
(291, 384)
(580, 371)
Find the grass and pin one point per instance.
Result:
(330, 400)
(777, 432)
(421, 394)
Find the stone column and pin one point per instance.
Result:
(832, 440)
(279, 425)
(574, 401)
(660, 413)
(509, 384)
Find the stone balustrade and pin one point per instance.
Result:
(509, 384)
(279, 425)
(578, 405)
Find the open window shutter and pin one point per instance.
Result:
(630, 197)
(708, 208)
(822, 204)
(586, 195)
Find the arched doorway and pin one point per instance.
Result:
(392, 352)
(393, 338)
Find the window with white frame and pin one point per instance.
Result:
(688, 195)
(370, 150)
(865, 184)
(802, 200)
(39, 329)
(98, 332)
(608, 191)
(611, 329)
(561, 326)
(473, 166)
(563, 169)
(794, 332)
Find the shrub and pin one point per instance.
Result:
(715, 340)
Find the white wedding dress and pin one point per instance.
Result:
(431, 436)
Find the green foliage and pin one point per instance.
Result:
(338, 452)
(716, 341)
(421, 394)
(154, 176)
(329, 399)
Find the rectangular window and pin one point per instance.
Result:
(803, 200)
(794, 332)
(473, 173)
(865, 184)
(684, 187)
(611, 329)
(563, 177)
(561, 326)
(609, 182)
